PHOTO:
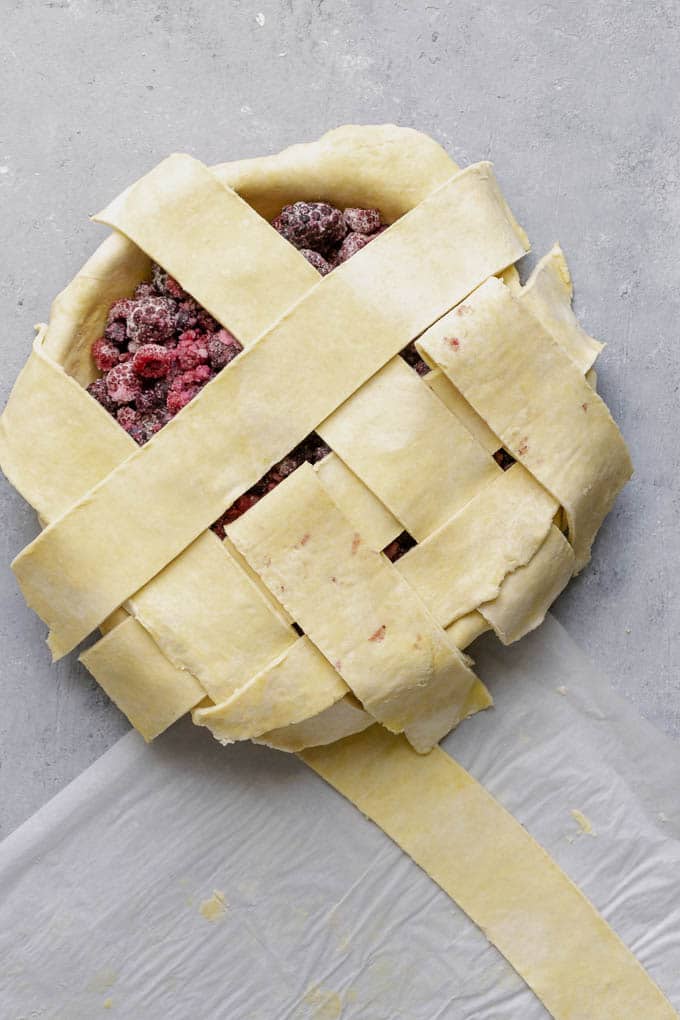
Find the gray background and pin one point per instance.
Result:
(575, 103)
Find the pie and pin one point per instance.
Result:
(297, 434)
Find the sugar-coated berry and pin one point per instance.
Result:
(316, 260)
(105, 354)
(123, 384)
(315, 225)
(362, 221)
(153, 361)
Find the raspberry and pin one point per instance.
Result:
(239, 507)
(122, 384)
(185, 387)
(105, 354)
(412, 358)
(316, 260)
(145, 290)
(191, 350)
(315, 225)
(116, 332)
(191, 315)
(116, 321)
(152, 397)
(98, 390)
(222, 348)
(152, 320)
(165, 284)
(120, 309)
(350, 246)
(362, 221)
(152, 361)
(127, 417)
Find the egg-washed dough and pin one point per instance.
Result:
(550, 419)
(263, 404)
(497, 873)
(354, 606)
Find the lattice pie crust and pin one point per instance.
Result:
(191, 623)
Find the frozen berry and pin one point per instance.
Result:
(98, 390)
(185, 387)
(116, 332)
(153, 396)
(123, 384)
(350, 246)
(223, 347)
(145, 290)
(315, 225)
(362, 221)
(152, 320)
(152, 361)
(105, 354)
(316, 260)
(191, 350)
(127, 417)
(120, 310)
(166, 284)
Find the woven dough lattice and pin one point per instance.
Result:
(194, 623)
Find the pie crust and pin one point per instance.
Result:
(194, 623)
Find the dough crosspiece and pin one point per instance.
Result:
(483, 461)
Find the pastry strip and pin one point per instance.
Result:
(208, 617)
(342, 719)
(401, 441)
(259, 407)
(497, 873)
(164, 693)
(300, 684)
(360, 506)
(213, 243)
(547, 294)
(550, 419)
(465, 562)
(527, 594)
(458, 405)
(355, 607)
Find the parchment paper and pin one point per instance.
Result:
(111, 896)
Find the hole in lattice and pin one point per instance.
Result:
(503, 458)
(311, 449)
(298, 629)
(412, 358)
(400, 545)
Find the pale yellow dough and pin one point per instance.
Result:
(550, 419)
(355, 607)
(493, 869)
(195, 466)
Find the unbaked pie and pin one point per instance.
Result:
(297, 434)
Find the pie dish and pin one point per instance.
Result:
(297, 434)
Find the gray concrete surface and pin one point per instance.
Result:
(575, 103)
